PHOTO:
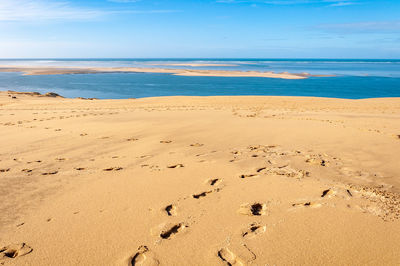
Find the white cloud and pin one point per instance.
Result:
(17, 10)
(363, 27)
(39, 10)
(124, 1)
(292, 2)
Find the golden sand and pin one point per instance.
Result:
(199, 181)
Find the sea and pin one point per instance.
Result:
(348, 78)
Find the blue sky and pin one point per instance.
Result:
(200, 28)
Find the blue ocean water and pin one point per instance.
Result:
(354, 79)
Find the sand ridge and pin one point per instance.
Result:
(31, 70)
(199, 180)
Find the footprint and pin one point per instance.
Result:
(50, 173)
(246, 176)
(79, 168)
(14, 251)
(4, 170)
(83, 134)
(214, 181)
(255, 209)
(113, 169)
(253, 230)
(261, 169)
(318, 161)
(145, 156)
(169, 233)
(201, 195)
(229, 257)
(165, 141)
(171, 210)
(27, 170)
(143, 257)
(307, 204)
(196, 145)
(132, 139)
(326, 193)
(175, 166)
(289, 172)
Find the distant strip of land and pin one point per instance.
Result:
(194, 64)
(37, 70)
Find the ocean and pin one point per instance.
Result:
(352, 79)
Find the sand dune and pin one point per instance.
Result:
(199, 181)
(29, 70)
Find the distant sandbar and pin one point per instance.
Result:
(30, 70)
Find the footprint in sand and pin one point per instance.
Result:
(213, 181)
(201, 195)
(4, 170)
(171, 210)
(253, 230)
(165, 141)
(27, 170)
(261, 169)
(317, 161)
(83, 134)
(205, 193)
(246, 176)
(143, 257)
(14, 251)
(38, 161)
(255, 209)
(196, 145)
(175, 166)
(229, 258)
(307, 204)
(171, 231)
(50, 173)
(112, 169)
(327, 192)
(79, 168)
(132, 139)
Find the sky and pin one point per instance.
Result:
(200, 29)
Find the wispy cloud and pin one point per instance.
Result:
(124, 1)
(292, 2)
(39, 10)
(17, 10)
(363, 27)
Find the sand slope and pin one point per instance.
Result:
(199, 181)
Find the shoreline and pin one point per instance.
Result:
(30, 70)
(56, 95)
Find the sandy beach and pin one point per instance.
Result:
(199, 181)
(37, 70)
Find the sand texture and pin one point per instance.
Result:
(199, 181)
(30, 70)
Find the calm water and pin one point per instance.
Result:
(355, 79)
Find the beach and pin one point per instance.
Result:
(221, 180)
